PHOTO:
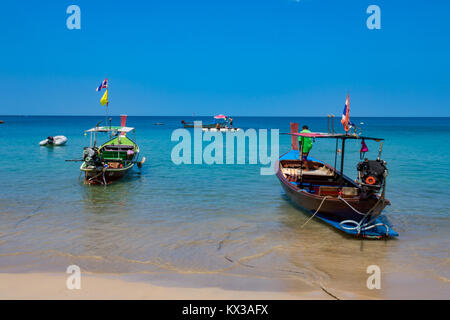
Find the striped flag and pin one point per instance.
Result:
(346, 114)
(102, 85)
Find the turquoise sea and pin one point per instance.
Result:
(221, 225)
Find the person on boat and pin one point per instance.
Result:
(231, 121)
(305, 145)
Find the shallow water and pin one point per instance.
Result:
(221, 225)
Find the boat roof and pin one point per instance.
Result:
(332, 135)
(109, 129)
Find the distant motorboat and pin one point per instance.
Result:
(220, 122)
(54, 141)
(1, 121)
(192, 125)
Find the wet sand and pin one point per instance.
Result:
(53, 286)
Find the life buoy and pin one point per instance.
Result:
(370, 180)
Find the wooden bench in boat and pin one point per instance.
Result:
(117, 152)
(345, 192)
(322, 171)
(118, 147)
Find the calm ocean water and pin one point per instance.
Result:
(220, 225)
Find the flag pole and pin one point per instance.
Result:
(107, 104)
(348, 111)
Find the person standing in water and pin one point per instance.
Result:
(305, 145)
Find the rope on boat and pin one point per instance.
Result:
(361, 226)
(351, 207)
(320, 206)
(103, 176)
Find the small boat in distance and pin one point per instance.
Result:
(354, 207)
(220, 122)
(1, 121)
(53, 141)
(203, 125)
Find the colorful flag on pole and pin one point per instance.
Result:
(346, 114)
(104, 99)
(102, 85)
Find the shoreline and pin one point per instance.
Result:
(52, 286)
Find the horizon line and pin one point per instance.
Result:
(251, 116)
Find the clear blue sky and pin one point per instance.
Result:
(239, 57)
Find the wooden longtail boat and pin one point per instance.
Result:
(354, 207)
(113, 159)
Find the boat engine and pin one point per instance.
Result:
(372, 174)
(90, 156)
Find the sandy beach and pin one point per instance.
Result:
(93, 287)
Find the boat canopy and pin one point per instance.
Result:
(335, 135)
(220, 116)
(109, 129)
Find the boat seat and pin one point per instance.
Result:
(118, 147)
(328, 191)
(323, 171)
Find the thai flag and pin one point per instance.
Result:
(102, 85)
(346, 114)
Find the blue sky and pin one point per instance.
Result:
(243, 58)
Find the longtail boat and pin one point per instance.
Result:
(113, 159)
(352, 206)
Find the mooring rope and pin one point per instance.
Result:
(320, 206)
(362, 227)
(359, 226)
(103, 176)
